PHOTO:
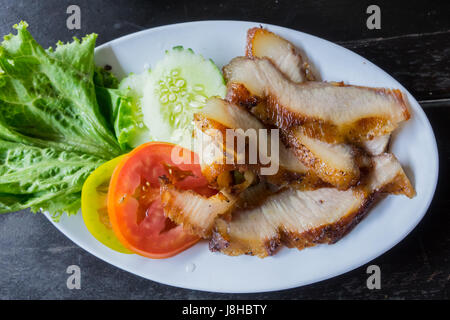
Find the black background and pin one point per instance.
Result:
(413, 45)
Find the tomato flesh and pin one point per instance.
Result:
(134, 204)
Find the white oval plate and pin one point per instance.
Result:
(388, 222)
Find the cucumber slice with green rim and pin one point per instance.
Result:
(178, 87)
(131, 119)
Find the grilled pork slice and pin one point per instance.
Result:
(229, 115)
(262, 43)
(193, 211)
(332, 112)
(210, 138)
(219, 115)
(333, 163)
(387, 176)
(305, 218)
(376, 146)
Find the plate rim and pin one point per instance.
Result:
(295, 284)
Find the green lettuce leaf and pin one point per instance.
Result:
(40, 177)
(105, 79)
(124, 115)
(53, 133)
(120, 105)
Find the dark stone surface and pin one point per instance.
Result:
(413, 45)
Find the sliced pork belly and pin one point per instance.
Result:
(262, 43)
(294, 216)
(305, 218)
(193, 211)
(210, 132)
(376, 146)
(333, 163)
(332, 112)
(387, 176)
(229, 115)
(220, 115)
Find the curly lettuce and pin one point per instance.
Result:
(53, 132)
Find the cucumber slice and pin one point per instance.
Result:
(133, 86)
(135, 83)
(178, 87)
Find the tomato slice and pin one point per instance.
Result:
(94, 206)
(134, 204)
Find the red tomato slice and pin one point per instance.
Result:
(134, 204)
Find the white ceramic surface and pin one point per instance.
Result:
(197, 268)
